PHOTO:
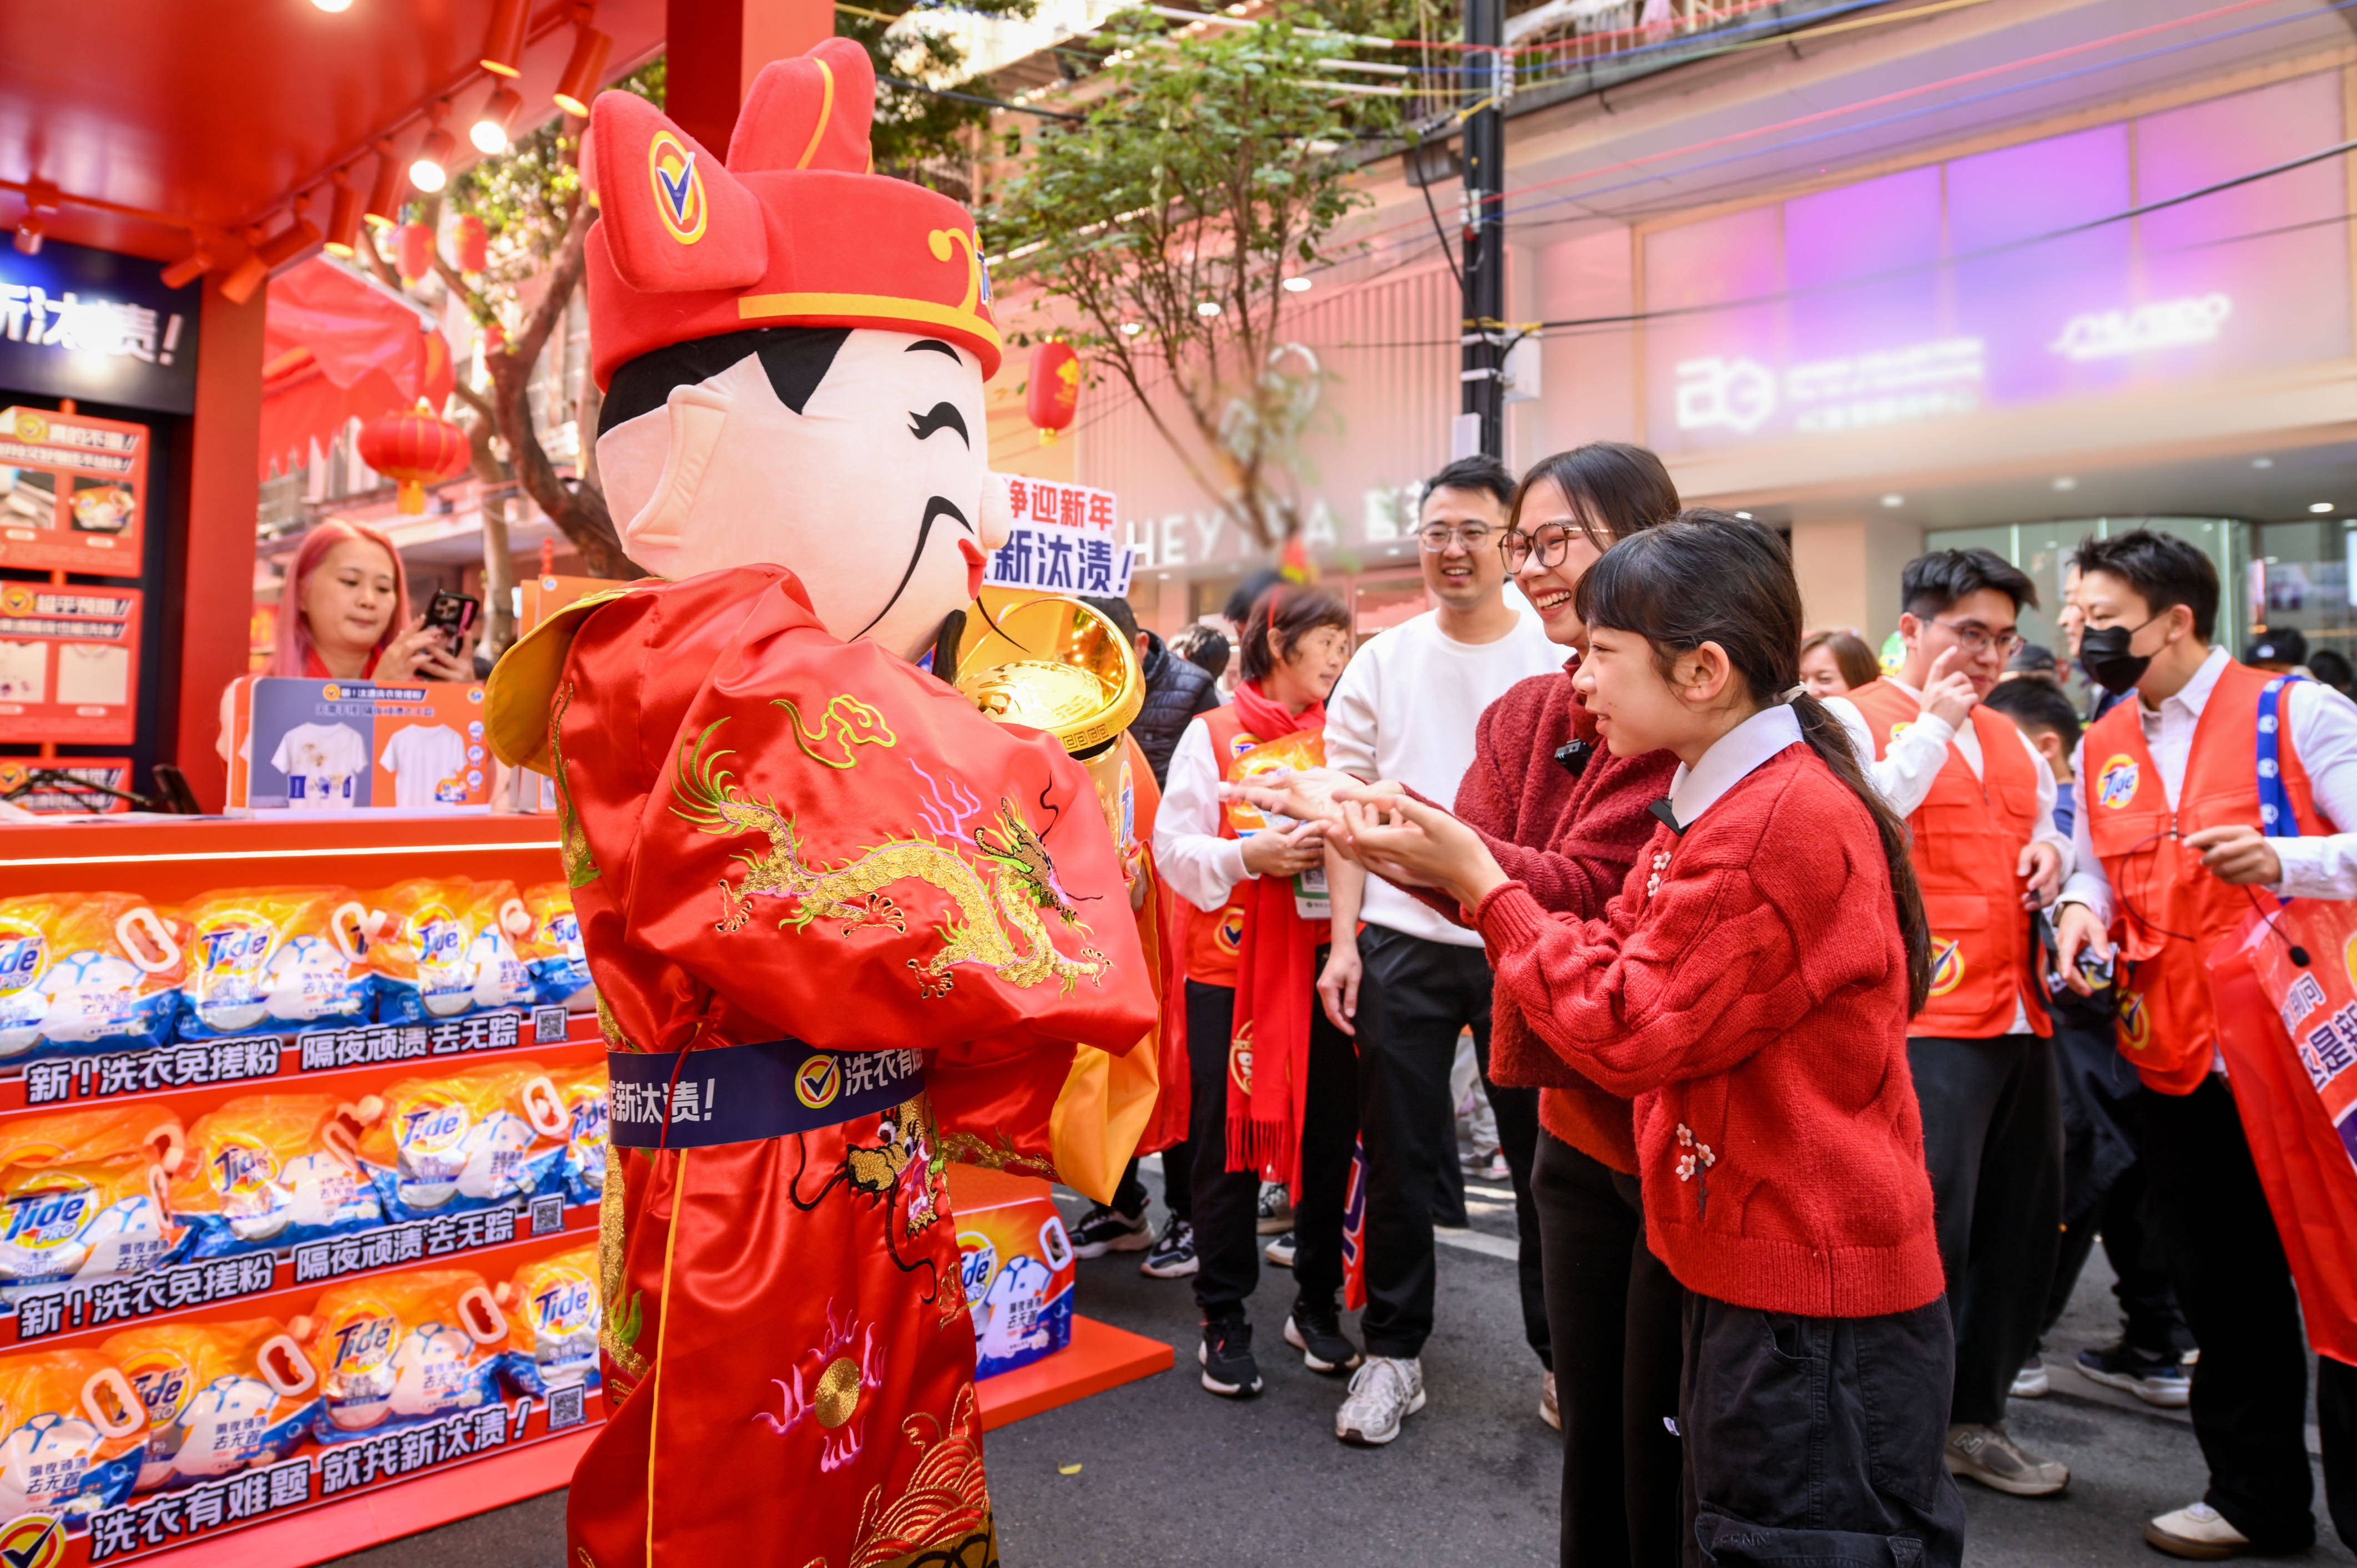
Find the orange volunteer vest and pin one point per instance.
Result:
(1214, 938)
(2170, 910)
(1968, 835)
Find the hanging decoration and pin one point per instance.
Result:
(1054, 395)
(417, 448)
(417, 251)
(474, 245)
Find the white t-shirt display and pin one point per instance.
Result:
(94, 672)
(320, 761)
(1406, 708)
(1013, 1303)
(24, 671)
(423, 759)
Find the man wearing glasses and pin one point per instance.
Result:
(1980, 807)
(1412, 982)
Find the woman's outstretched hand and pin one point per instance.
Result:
(1304, 794)
(1405, 841)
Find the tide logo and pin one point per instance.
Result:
(565, 1304)
(1228, 935)
(1240, 1055)
(240, 1165)
(360, 1338)
(678, 186)
(234, 945)
(441, 939)
(978, 1262)
(817, 1081)
(2115, 781)
(1947, 966)
(23, 957)
(164, 1382)
(430, 1124)
(48, 1212)
(2135, 1022)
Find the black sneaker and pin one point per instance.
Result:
(1274, 1215)
(1226, 1358)
(1317, 1335)
(1280, 1251)
(1173, 1257)
(1105, 1229)
(2156, 1379)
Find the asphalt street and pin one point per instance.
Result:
(1169, 1475)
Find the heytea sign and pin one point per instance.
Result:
(80, 323)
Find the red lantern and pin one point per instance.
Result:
(417, 251)
(1055, 391)
(474, 245)
(417, 448)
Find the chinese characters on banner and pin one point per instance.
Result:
(70, 488)
(1064, 540)
(68, 661)
(98, 326)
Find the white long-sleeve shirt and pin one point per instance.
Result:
(2324, 737)
(1189, 853)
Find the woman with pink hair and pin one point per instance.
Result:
(345, 614)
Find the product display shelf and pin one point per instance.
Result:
(177, 858)
(1100, 1356)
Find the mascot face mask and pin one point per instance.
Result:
(793, 350)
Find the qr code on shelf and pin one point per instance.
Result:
(547, 1213)
(548, 1025)
(566, 1407)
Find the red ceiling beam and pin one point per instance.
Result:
(717, 46)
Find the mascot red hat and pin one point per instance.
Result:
(795, 230)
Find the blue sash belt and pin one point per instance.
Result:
(742, 1094)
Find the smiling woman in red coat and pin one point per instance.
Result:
(1749, 988)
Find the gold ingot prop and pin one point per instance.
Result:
(1055, 665)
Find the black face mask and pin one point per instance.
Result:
(2104, 650)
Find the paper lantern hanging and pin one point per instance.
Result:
(1055, 388)
(417, 251)
(474, 245)
(415, 449)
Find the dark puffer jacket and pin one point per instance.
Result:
(1176, 691)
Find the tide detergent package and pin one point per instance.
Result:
(272, 1170)
(402, 1349)
(445, 946)
(583, 1091)
(553, 950)
(76, 1433)
(553, 1307)
(97, 1132)
(83, 1221)
(477, 1139)
(219, 1396)
(88, 971)
(1018, 1267)
(275, 958)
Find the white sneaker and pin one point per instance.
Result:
(1383, 1392)
(1550, 1409)
(2196, 1530)
(2031, 1383)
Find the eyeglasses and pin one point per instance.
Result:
(1976, 638)
(1549, 543)
(1438, 537)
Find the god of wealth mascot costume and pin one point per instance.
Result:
(843, 927)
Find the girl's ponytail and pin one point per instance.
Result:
(1646, 584)
(1831, 741)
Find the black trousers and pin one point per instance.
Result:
(1818, 1440)
(2250, 1387)
(1177, 1177)
(1993, 1143)
(1415, 999)
(1227, 1203)
(1613, 1314)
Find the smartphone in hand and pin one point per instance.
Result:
(453, 616)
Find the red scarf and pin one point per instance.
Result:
(1276, 983)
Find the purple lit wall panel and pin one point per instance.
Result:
(2018, 300)
(1738, 255)
(2285, 294)
(1857, 232)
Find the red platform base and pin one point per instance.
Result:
(1100, 1356)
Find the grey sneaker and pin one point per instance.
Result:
(1383, 1392)
(1550, 1408)
(1989, 1455)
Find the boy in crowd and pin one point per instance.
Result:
(1980, 805)
(2169, 846)
(1412, 981)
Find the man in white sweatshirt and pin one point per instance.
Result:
(1412, 982)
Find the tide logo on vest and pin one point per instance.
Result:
(2116, 782)
(1947, 966)
(1240, 1053)
(1229, 934)
(2136, 1023)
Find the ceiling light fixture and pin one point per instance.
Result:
(343, 216)
(503, 43)
(29, 231)
(383, 209)
(1894, 499)
(333, 7)
(585, 72)
(2263, 462)
(2065, 482)
(40, 205)
(490, 131)
(189, 268)
(247, 275)
(2320, 506)
(297, 239)
(1297, 284)
(430, 170)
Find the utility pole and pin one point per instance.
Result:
(1481, 424)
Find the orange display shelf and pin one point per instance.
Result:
(1100, 1356)
(178, 858)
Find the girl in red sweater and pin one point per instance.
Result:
(1749, 988)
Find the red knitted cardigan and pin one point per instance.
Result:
(1571, 840)
(1748, 989)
